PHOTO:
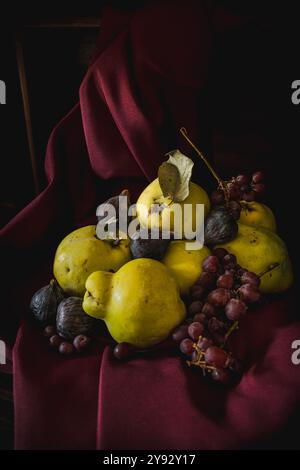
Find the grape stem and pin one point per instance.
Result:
(233, 327)
(184, 132)
(268, 269)
(201, 364)
(199, 361)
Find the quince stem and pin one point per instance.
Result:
(221, 184)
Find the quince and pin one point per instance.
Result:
(257, 249)
(185, 265)
(257, 214)
(165, 219)
(80, 253)
(140, 303)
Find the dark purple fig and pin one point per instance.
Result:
(147, 247)
(45, 301)
(72, 320)
(220, 227)
(104, 209)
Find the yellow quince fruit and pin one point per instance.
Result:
(166, 218)
(81, 253)
(184, 264)
(140, 303)
(258, 249)
(257, 214)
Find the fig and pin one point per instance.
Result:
(154, 248)
(219, 226)
(72, 321)
(115, 202)
(45, 301)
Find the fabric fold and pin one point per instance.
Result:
(150, 77)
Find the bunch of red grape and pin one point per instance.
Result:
(220, 297)
(79, 344)
(239, 188)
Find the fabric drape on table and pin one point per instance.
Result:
(151, 76)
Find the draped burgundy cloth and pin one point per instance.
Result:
(149, 78)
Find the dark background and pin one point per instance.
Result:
(254, 124)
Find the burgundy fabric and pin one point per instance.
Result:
(149, 79)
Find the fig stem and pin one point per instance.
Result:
(268, 269)
(125, 192)
(184, 132)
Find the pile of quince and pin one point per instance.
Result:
(138, 289)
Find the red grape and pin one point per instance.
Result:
(217, 197)
(200, 317)
(245, 188)
(235, 209)
(194, 355)
(204, 343)
(233, 191)
(211, 264)
(66, 348)
(249, 293)
(221, 375)
(234, 205)
(235, 309)
(219, 297)
(229, 261)
(220, 253)
(215, 325)
(122, 351)
(226, 281)
(49, 331)
(248, 277)
(186, 346)
(55, 341)
(242, 180)
(195, 330)
(195, 307)
(258, 177)
(81, 342)
(259, 188)
(249, 196)
(241, 271)
(180, 333)
(216, 356)
(206, 279)
(208, 310)
(197, 292)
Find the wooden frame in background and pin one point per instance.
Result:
(51, 24)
